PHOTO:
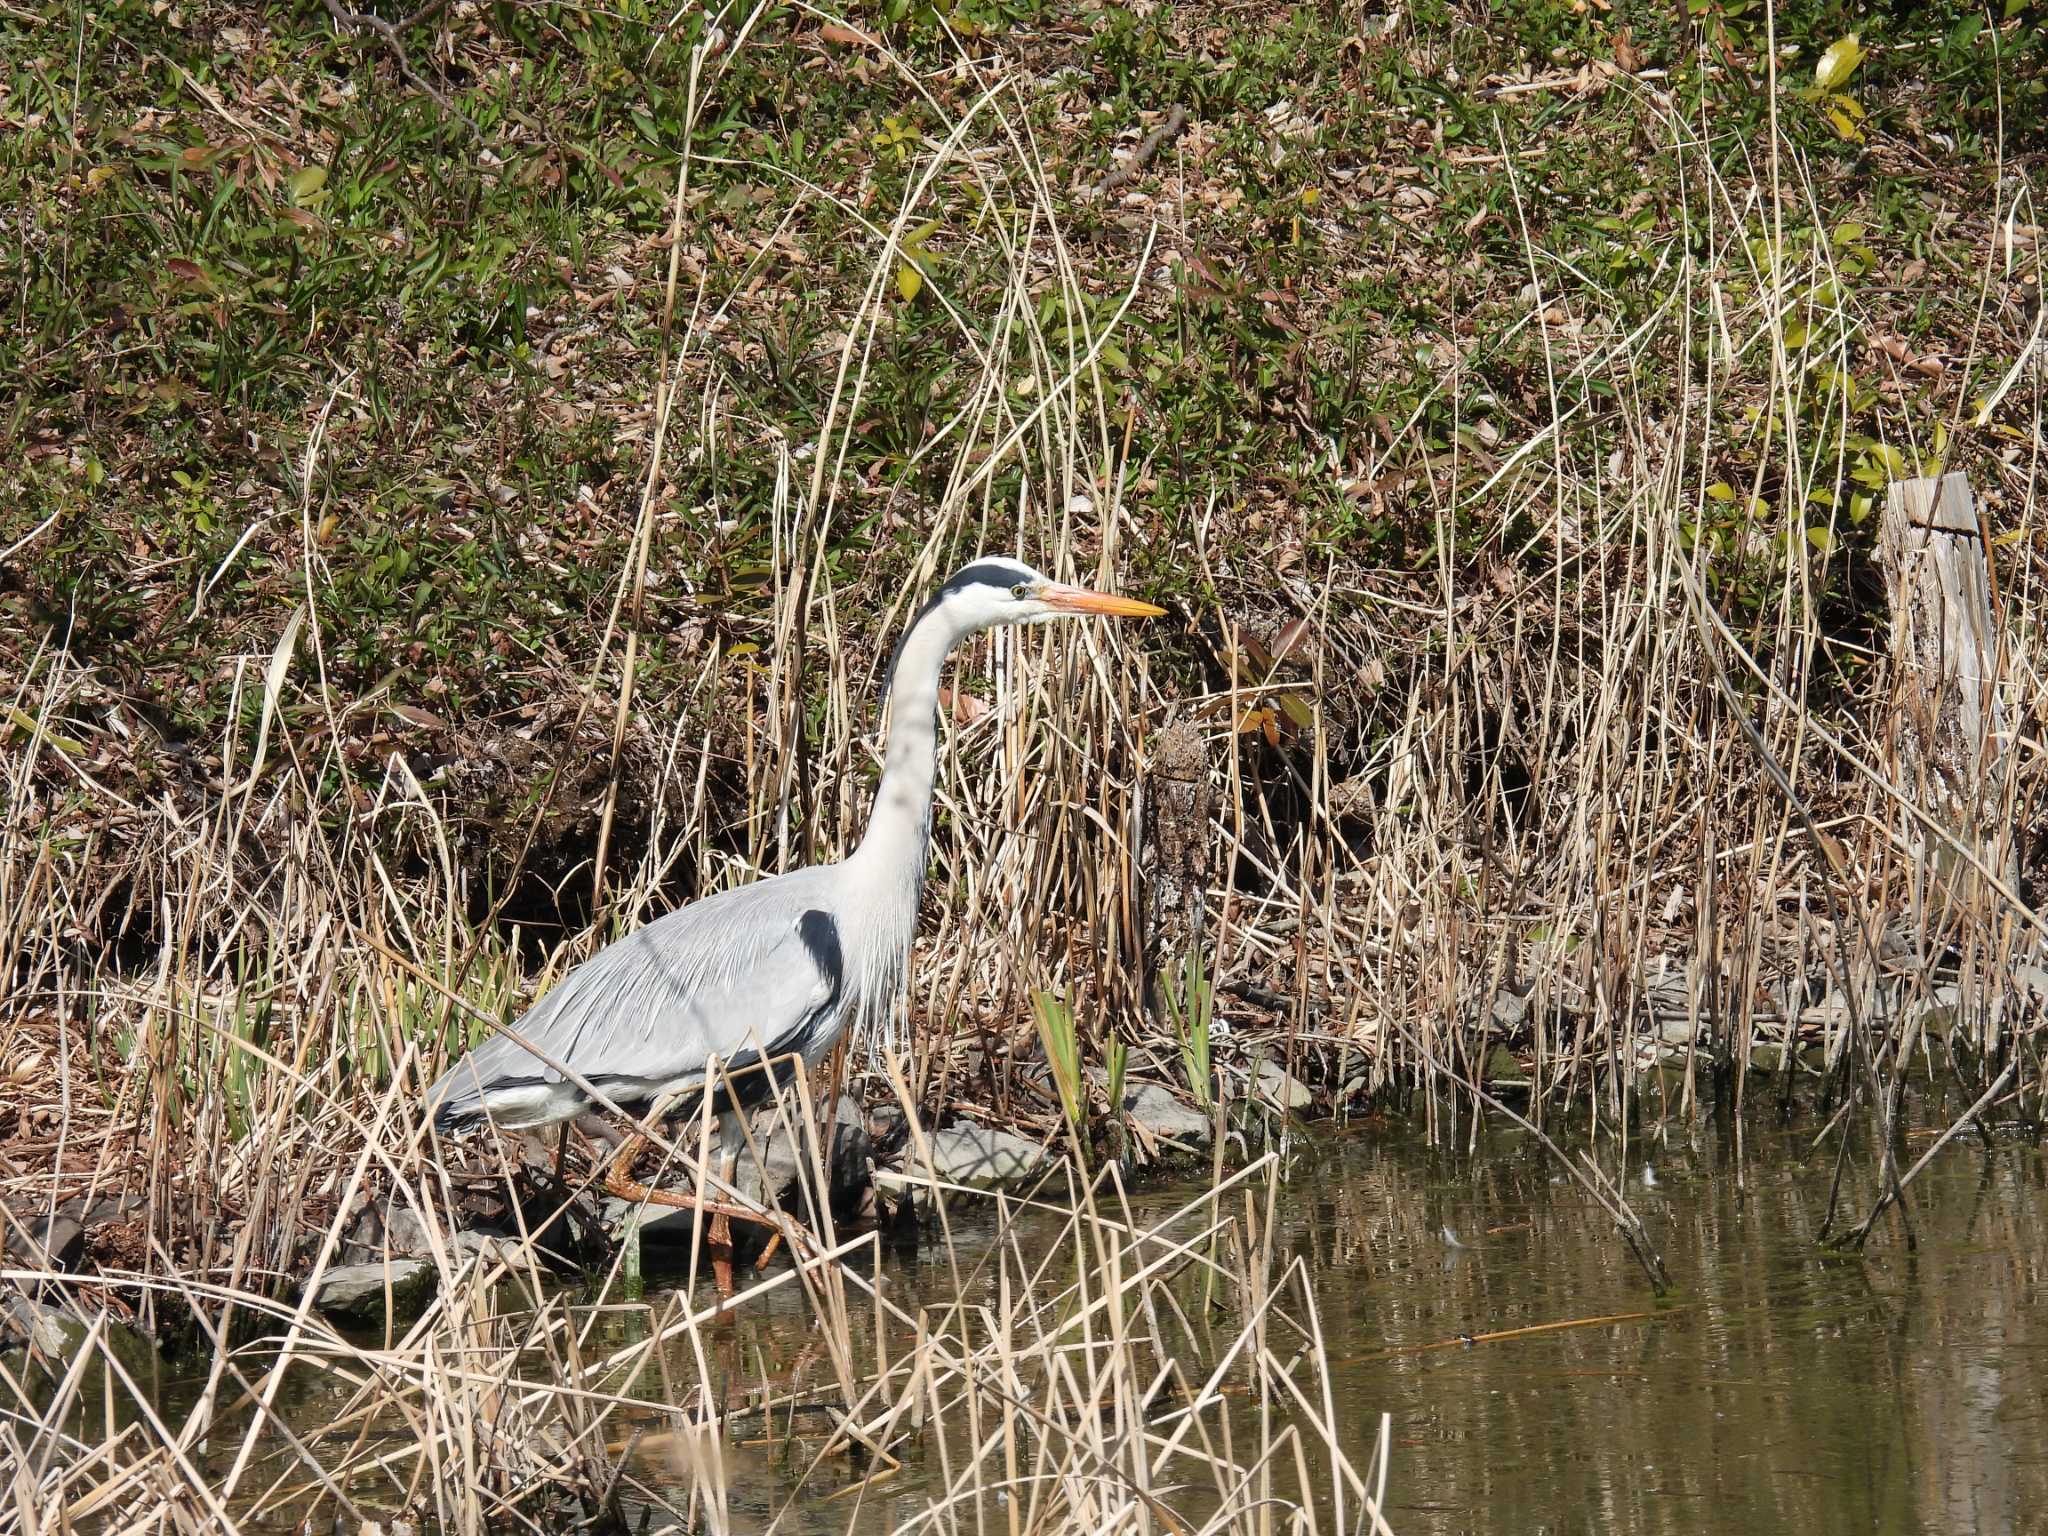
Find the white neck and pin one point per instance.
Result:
(893, 852)
(887, 869)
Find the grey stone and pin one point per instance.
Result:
(1504, 1069)
(357, 1291)
(47, 1242)
(972, 1155)
(1939, 1012)
(1510, 1010)
(101, 1209)
(1273, 1084)
(1680, 1029)
(984, 1158)
(662, 1225)
(785, 1159)
(388, 1225)
(1668, 994)
(44, 1329)
(1793, 995)
(487, 1247)
(1874, 1004)
(1832, 1011)
(1165, 1115)
(770, 1177)
(888, 1124)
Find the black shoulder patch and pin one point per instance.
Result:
(742, 1086)
(821, 939)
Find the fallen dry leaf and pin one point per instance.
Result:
(965, 708)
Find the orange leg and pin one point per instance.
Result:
(619, 1181)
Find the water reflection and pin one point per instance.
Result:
(1781, 1387)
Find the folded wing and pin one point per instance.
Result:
(746, 974)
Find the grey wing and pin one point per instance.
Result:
(752, 972)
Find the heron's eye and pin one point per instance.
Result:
(1020, 591)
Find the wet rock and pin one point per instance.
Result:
(41, 1329)
(661, 1226)
(1504, 1069)
(900, 1226)
(46, 1242)
(55, 1337)
(1164, 1114)
(99, 1210)
(358, 1292)
(388, 1226)
(849, 1158)
(888, 1128)
(1271, 1083)
(1510, 1011)
(775, 1177)
(1940, 1012)
(1680, 1029)
(984, 1158)
(965, 1154)
(2031, 983)
(1766, 1057)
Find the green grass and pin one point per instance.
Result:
(228, 223)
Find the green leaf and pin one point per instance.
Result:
(1838, 63)
(1721, 490)
(1821, 538)
(1056, 1032)
(306, 182)
(909, 281)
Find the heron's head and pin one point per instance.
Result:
(994, 590)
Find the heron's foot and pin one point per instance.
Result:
(619, 1181)
(718, 1243)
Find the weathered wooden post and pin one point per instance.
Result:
(1179, 850)
(1949, 732)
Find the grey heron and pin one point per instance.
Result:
(772, 970)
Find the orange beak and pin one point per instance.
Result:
(1082, 600)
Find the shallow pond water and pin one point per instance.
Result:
(1780, 1385)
